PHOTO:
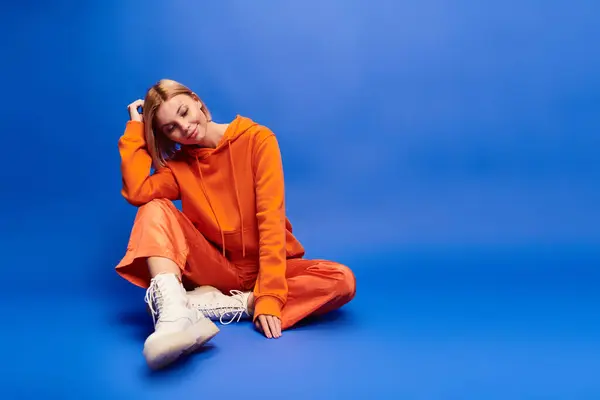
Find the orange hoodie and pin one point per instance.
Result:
(234, 195)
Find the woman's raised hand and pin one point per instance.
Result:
(134, 113)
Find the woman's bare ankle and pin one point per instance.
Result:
(162, 265)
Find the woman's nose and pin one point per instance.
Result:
(183, 124)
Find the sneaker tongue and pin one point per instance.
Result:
(170, 292)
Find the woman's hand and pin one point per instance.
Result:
(134, 114)
(269, 325)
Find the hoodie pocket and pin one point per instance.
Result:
(240, 242)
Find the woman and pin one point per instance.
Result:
(232, 235)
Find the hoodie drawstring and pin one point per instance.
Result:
(237, 198)
(210, 205)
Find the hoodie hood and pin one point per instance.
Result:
(234, 131)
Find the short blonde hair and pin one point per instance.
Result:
(160, 147)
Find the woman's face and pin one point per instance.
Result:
(182, 120)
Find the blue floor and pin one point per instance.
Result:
(502, 324)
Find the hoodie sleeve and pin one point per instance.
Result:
(139, 187)
(271, 286)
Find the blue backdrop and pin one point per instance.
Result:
(447, 151)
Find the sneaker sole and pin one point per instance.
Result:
(164, 352)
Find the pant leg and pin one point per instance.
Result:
(161, 230)
(316, 287)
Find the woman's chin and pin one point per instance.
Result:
(194, 140)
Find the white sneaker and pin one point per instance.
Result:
(219, 307)
(178, 328)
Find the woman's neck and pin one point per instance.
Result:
(214, 134)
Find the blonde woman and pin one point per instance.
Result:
(230, 253)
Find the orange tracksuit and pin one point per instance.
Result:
(233, 232)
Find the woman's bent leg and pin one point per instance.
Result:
(163, 239)
(156, 238)
(157, 259)
(316, 287)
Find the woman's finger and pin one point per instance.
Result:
(273, 326)
(265, 326)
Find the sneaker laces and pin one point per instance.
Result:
(221, 310)
(158, 300)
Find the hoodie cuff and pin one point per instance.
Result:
(267, 305)
(135, 129)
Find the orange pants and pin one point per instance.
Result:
(315, 287)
